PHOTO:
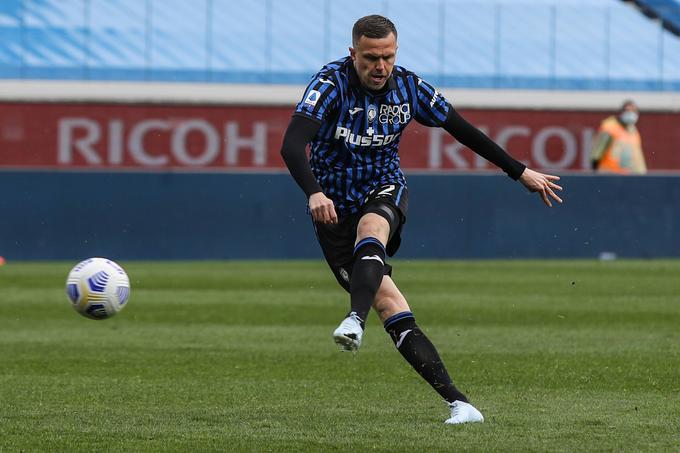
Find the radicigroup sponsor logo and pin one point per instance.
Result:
(395, 113)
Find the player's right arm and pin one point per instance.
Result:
(301, 131)
(320, 99)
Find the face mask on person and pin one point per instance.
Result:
(629, 117)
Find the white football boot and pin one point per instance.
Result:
(464, 413)
(349, 332)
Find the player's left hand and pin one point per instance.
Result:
(541, 183)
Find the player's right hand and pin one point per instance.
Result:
(322, 208)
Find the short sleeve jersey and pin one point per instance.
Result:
(356, 147)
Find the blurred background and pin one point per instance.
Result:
(148, 129)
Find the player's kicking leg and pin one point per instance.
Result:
(419, 352)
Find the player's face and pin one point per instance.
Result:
(374, 59)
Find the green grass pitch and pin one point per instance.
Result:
(238, 356)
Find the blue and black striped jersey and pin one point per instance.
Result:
(356, 148)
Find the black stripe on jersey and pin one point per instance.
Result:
(402, 98)
(349, 167)
(326, 91)
(435, 112)
(411, 86)
(424, 112)
(399, 93)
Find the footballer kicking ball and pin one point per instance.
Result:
(98, 288)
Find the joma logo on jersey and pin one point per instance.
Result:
(363, 140)
(395, 114)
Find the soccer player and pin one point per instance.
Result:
(353, 114)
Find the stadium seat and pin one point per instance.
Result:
(537, 44)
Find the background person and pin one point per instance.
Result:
(618, 147)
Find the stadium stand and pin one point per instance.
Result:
(667, 11)
(566, 44)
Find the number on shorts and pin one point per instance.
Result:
(386, 190)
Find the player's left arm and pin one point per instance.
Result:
(433, 110)
(477, 141)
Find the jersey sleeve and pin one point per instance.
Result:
(431, 107)
(320, 98)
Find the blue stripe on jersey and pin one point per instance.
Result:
(401, 189)
(357, 146)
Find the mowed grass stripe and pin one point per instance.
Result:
(237, 356)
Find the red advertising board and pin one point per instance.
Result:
(182, 137)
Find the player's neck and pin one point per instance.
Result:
(385, 88)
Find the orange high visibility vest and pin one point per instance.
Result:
(624, 153)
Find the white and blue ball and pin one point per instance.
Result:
(98, 288)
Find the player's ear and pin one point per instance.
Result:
(352, 53)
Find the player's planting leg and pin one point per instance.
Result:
(367, 274)
(419, 351)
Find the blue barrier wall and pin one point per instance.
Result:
(224, 216)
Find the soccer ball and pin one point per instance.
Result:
(98, 288)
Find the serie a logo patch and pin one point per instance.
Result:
(312, 98)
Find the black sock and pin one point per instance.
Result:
(421, 354)
(367, 275)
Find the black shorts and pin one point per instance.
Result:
(337, 241)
